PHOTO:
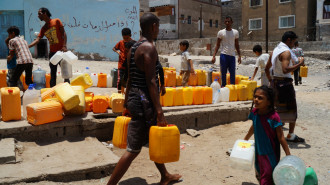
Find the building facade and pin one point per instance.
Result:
(283, 15)
(92, 27)
(180, 19)
(232, 8)
(323, 20)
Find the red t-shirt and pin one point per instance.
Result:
(123, 53)
(53, 34)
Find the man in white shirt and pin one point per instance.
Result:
(228, 38)
(260, 63)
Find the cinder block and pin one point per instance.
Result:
(7, 152)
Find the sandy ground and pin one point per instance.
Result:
(204, 161)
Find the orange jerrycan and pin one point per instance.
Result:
(303, 71)
(164, 144)
(197, 95)
(161, 99)
(232, 92)
(102, 80)
(3, 78)
(178, 97)
(168, 97)
(178, 80)
(10, 104)
(49, 93)
(89, 101)
(47, 76)
(187, 96)
(100, 104)
(238, 79)
(116, 102)
(84, 80)
(207, 95)
(251, 85)
(216, 75)
(201, 77)
(170, 78)
(22, 78)
(192, 79)
(242, 92)
(119, 138)
(44, 112)
(80, 108)
(66, 95)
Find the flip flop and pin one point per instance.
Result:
(296, 139)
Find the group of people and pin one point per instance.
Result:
(142, 75)
(20, 58)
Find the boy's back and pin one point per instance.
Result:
(22, 50)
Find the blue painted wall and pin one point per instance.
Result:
(11, 5)
(92, 26)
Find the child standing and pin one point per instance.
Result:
(268, 134)
(299, 53)
(187, 66)
(261, 62)
(24, 58)
(122, 52)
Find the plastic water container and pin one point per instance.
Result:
(168, 97)
(39, 78)
(44, 112)
(87, 71)
(178, 97)
(56, 58)
(119, 138)
(201, 77)
(47, 94)
(170, 78)
(3, 78)
(251, 85)
(89, 101)
(209, 77)
(70, 57)
(224, 95)
(47, 77)
(242, 92)
(80, 108)
(290, 170)
(242, 155)
(101, 80)
(116, 102)
(215, 87)
(114, 75)
(109, 81)
(310, 177)
(178, 80)
(164, 144)
(76, 74)
(10, 104)
(67, 96)
(187, 96)
(192, 79)
(30, 96)
(82, 80)
(94, 78)
(303, 71)
(217, 97)
(232, 92)
(216, 75)
(100, 104)
(197, 95)
(59, 78)
(238, 79)
(66, 69)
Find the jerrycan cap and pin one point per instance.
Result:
(3, 70)
(10, 91)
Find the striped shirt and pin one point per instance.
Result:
(20, 46)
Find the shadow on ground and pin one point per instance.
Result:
(140, 181)
(248, 183)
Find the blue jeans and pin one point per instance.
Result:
(227, 62)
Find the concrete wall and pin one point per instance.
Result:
(11, 5)
(301, 10)
(92, 27)
(144, 5)
(322, 25)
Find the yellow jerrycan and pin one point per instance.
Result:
(119, 138)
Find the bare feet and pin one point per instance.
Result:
(171, 177)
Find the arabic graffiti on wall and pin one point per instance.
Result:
(95, 30)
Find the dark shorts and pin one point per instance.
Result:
(143, 117)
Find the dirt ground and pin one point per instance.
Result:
(203, 160)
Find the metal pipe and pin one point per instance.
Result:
(266, 26)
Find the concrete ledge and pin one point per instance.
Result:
(194, 116)
(7, 154)
(62, 161)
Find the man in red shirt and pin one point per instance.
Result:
(122, 52)
(55, 33)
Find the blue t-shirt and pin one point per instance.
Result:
(11, 64)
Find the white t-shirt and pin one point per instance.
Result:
(277, 69)
(184, 61)
(228, 41)
(262, 61)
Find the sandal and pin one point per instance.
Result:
(296, 139)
